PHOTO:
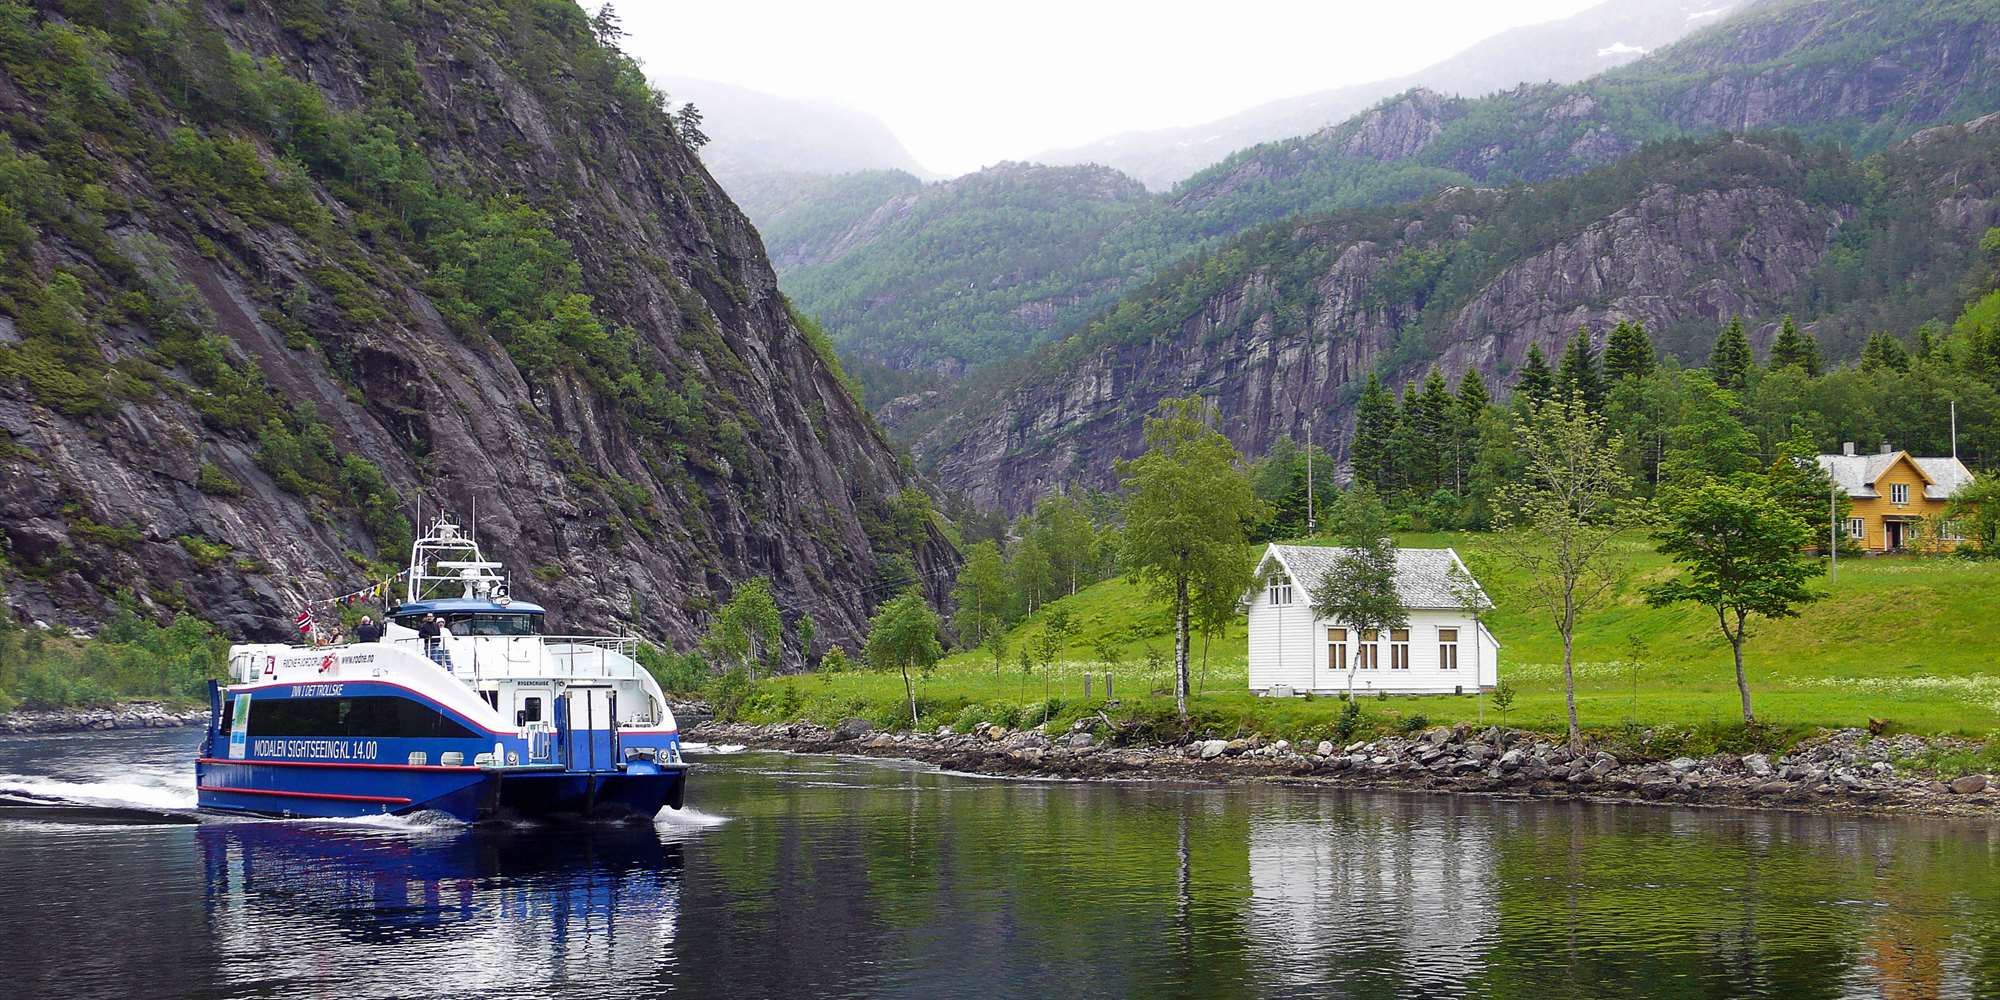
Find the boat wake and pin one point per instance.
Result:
(109, 803)
(685, 818)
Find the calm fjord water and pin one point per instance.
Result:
(809, 877)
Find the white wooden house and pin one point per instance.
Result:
(1445, 650)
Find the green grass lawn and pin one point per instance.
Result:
(1906, 639)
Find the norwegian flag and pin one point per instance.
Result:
(305, 621)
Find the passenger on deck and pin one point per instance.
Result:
(428, 630)
(368, 630)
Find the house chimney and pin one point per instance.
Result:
(1847, 448)
(1886, 449)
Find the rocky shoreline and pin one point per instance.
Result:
(127, 715)
(1842, 771)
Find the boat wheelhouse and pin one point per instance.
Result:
(465, 706)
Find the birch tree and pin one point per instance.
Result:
(1569, 508)
(1191, 510)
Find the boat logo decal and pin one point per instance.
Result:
(327, 662)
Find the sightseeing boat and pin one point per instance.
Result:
(489, 718)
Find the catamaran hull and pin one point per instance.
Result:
(468, 795)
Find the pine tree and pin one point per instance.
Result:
(1436, 431)
(1536, 382)
(606, 26)
(1628, 353)
(1730, 362)
(1413, 462)
(1795, 348)
(1472, 404)
(1884, 351)
(1373, 454)
(1578, 378)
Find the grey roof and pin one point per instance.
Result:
(1423, 576)
(1856, 474)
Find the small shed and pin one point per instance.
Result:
(1446, 649)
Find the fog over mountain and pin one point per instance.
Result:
(753, 133)
(1563, 51)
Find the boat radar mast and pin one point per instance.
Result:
(446, 562)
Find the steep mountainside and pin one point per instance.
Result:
(272, 275)
(1280, 328)
(960, 272)
(1603, 37)
(1862, 72)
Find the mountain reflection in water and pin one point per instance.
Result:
(809, 877)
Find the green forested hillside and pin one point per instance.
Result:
(956, 291)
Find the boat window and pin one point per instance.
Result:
(382, 717)
(531, 711)
(497, 624)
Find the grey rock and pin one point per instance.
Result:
(1081, 741)
(1970, 784)
(1682, 764)
(1325, 748)
(1758, 765)
(852, 729)
(1211, 749)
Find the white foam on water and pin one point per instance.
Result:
(144, 791)
(688, 818)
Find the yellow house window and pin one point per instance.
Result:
(1899, 493)
(1856, 527)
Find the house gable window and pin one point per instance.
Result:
(1447, 649)
(1280, 591)
(1899, 493)
(1856, 527)
(1399, 649)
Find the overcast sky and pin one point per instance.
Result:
(965, 85)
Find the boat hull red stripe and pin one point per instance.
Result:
(389, 800)
(466, 769)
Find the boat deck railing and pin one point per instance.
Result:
(480, 657)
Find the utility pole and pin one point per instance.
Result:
(1832, 528)
(1312, 524)
(1954, 430)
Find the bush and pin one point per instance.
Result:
(216, 483)
(1414, 723)
(835, 662)
(678, 673)
(1349, 720)
(726, 694)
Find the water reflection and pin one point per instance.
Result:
(402, 911)
(841, 878)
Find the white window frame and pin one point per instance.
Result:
(1447, 649)
(1399, 649)
(1857, 528)
(1899, 494)
(1280, 591)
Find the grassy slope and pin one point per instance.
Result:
(1904, 639)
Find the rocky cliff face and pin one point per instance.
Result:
(731, 449)
(1466, 280)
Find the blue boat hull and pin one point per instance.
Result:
(469, 795)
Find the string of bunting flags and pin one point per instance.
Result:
(308, 621)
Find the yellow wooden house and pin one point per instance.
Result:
(1898, 499)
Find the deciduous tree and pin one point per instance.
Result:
(1741, 554)
(1191, 510)
(1571, 505)
(1360, 591)
(903, 636)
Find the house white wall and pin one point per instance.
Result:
(1288, 648)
